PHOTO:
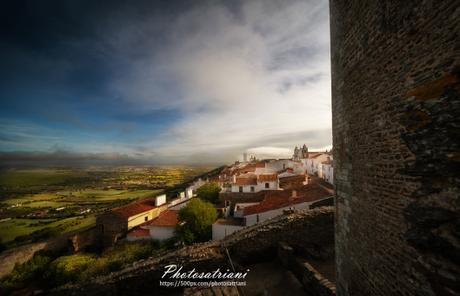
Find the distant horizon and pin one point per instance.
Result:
(163, 82)
(63, 159)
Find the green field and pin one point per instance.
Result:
(38, 177)
(95, 200)
(36, 204)
(62, 198)
(13, 228)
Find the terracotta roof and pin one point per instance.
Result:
(136, 208)
(247, 168)
(316, 154)
(280, 199)
(292, 177)
(260, 164)
(139, 232)
(229, 221)
(247, 179)
(267, 177)
(166, 218)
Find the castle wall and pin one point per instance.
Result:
(395, 103)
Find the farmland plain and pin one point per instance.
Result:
(36, 204)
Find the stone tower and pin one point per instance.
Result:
(304, 151)
(396, 112)
(295, 156)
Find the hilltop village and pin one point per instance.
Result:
(251, 191)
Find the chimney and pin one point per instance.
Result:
(234, 178)
(294, 194)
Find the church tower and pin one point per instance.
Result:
(304, 151)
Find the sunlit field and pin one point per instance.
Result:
(38, 204)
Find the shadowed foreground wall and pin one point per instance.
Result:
(395, 101)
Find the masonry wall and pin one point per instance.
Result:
(309, 232)
(395, 102)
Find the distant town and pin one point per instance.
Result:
(251, 191)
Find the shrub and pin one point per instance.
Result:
(209, 192)
(196, 221)
(75, 268)
(69, 268)
(26, 271)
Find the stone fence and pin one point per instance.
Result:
(314, 283)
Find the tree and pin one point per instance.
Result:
(195, 221)
(209, 192)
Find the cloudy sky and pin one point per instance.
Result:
(163, 81)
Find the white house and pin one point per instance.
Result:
(160, 200)
(327, 169)
(251, 183)
(244, 183)
(239, 208)
(223, 227)
(277, 165)
(274, 204)
(313, 163)
(163, 227)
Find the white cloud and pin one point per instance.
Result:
(238, 80)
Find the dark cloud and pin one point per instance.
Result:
(63, 158)
(164, 81)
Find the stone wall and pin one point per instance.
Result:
(19, 255)
(310, 230)
(314, 283)
(112, 226)
(75, 241)
(395, 103)
(86, 239)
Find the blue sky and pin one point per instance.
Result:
(164, 81)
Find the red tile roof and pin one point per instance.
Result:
(166, 218)
(267, 177)
(260, 164)
(316, 154)
(248, 179)
(136, 208)
(139, 232)
(279, 199)
(247, 168)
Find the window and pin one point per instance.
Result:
(240, 189)
(146, 218)
(267, 185)
(253, 189)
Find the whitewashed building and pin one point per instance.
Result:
(223, 227)
(327, 169)
(164, 226)
(313, 163)
(251, 183)
(275, 203)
